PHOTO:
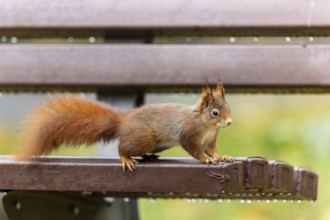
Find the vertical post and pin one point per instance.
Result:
(120, 210)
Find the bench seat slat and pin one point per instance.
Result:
(252, 177)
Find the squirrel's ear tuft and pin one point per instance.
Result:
(220, 91)
(206, 98)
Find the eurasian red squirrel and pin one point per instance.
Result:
(68, 119)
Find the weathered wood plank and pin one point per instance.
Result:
(163, 14)
(164, 66)
(248, 178)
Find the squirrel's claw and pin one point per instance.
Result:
(128, 162)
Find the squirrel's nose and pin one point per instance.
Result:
(229, 121)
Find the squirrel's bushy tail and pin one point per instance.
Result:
(67, 119)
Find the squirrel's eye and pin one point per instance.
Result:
(215, 112)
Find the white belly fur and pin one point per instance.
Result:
(209, 135)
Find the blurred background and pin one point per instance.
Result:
(293, 128)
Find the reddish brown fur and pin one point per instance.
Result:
(67, 119)
(206, 97)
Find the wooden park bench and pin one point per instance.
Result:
(124, 49)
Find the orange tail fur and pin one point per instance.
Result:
(67, 119)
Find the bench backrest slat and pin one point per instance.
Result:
(148, 64)
(163, 66)
(163, 14)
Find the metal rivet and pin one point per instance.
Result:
(3, 39)
(109, 199)
(288, 39)
(18, 205)
(76, 210)
(87, 193)
(91, 40)
(232, 39)
(13, 40)
(70, 39)
(255, 39)
(311, 39)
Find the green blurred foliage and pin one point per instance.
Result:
(292, 128)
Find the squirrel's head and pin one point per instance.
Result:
(213, 107)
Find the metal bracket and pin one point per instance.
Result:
(221, 177)
(38, 205)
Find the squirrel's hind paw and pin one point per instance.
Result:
(128, 162)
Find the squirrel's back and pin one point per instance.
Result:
(167, 121)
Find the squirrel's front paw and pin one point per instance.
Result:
(216, 157)
(227, 158)
(209, 160)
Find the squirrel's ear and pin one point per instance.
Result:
(220, 91)
(207, 98)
